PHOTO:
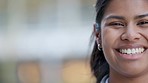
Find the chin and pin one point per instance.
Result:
(132, 72)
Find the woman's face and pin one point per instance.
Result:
(124, 35)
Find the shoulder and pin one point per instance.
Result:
(105, 79)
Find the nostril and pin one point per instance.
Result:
(130, 36)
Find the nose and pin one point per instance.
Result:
(131, 34)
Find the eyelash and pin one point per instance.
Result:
(142, 23)
(116, 24)
(120, 24)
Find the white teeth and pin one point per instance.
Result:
(132, 51)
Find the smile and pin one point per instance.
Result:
(132, 51)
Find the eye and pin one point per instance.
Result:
(116, 24)
(143, 23)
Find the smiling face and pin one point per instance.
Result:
(124, 33)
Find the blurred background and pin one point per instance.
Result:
(45, 41)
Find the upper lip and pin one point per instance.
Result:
(130, 46)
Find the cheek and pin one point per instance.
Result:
(146, 34)
(109, 37)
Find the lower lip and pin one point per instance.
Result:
(129, 57)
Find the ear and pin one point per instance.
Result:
(97, 32)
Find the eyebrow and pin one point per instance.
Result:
(115, 17)
(122, 18)
(141, 16)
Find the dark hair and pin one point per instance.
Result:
(99, 65)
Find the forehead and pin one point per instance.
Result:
(127, 7)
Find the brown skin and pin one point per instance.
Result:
(125, 30)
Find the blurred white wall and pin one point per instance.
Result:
(53, 33)
(45, 28)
